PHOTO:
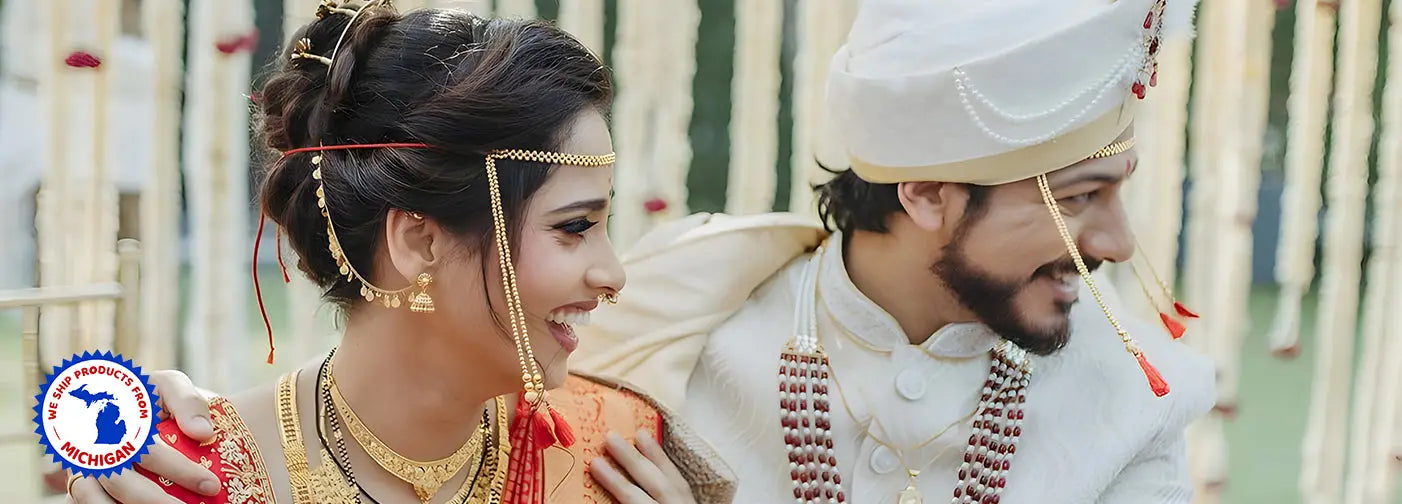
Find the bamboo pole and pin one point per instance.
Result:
(164, 25)
(296, 13)
(677, 64)
(585, 20)
(1211, 74)
(655, 58)
(128, 320)
(821, 28)
(632, 80)
(516, 9)
(52, 90)
(1241, 148)
(216, 165)
(1347, 191)
(481, 8)
(29, 355)
(1376, 409)
(1310, 81)
(754, 113)
(1215, 71)
(77, 200)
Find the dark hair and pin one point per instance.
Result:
(462, 84)
(852, 204)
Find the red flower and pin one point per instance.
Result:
(232, 45)
(80, 59)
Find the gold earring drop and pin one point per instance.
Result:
(422, 303)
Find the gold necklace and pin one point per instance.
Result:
(426, 477)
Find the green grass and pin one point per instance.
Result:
(1263, 441)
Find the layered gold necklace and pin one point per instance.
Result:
(426, 477)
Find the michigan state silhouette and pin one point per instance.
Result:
(109, 424)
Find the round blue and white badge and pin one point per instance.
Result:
(96, 414)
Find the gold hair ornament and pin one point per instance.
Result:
(329, 7)
(303, 50)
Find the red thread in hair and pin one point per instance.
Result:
(80, 59)
(263, 217)
(257, 289)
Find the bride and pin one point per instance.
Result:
(445, 180)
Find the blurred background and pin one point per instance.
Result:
(1268, 186)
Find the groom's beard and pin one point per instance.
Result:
(993, 300)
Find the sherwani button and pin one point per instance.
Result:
(883, 460)
(910, 385)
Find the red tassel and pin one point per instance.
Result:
(1183, 310)
(1156, 381)
(525, 475)
(563, 432)
(1174, 328)
(540, 427)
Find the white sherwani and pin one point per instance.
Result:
(710, 305)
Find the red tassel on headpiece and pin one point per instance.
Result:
(563, 432)
(1156, 381)
(1174, 328)
(1183, 310)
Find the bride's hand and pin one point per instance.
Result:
(651, 475)
(179, 399)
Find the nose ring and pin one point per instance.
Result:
(609, 297)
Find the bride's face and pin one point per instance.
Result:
(563, 261)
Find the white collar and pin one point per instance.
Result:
(864, 320)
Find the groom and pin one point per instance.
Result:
(949, 340)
